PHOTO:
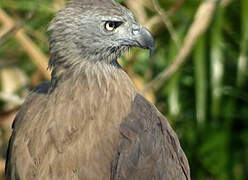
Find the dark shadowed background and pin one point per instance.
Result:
(198, 76)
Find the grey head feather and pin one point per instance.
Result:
(78, 34)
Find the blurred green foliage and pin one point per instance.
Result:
(206, 101)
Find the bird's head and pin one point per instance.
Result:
(94, 30)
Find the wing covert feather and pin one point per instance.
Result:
(37, 94)
(149, 148)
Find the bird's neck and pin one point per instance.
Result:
(107, 79)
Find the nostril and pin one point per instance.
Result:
(135, 29)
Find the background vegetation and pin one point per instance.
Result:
(197, 76)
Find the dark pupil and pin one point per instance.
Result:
(111, 24)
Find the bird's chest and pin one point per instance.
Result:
(87, 127)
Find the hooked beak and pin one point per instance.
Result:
(143, 38)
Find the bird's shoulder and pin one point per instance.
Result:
(149, 148)
(20, 123)
(32, 101)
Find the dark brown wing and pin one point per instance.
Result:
(149, 148)
(37, 94)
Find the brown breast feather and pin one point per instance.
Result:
(145, 145)
(71, 132)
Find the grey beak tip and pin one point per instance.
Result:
(152, 49)
(149, 41)
(144, 39)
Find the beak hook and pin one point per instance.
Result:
(152, 49)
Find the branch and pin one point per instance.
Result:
(11, 32)
(167, 22)
(11, 98)
(138, 9)
(201, 22)
(174, 9)
(38, 58)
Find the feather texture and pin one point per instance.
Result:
(71, 131)
(89, 123)
(149, 148)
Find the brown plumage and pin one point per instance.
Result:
(89, 122)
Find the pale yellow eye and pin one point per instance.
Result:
(109, 26)
(112, 25)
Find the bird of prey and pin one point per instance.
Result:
(89, 122)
